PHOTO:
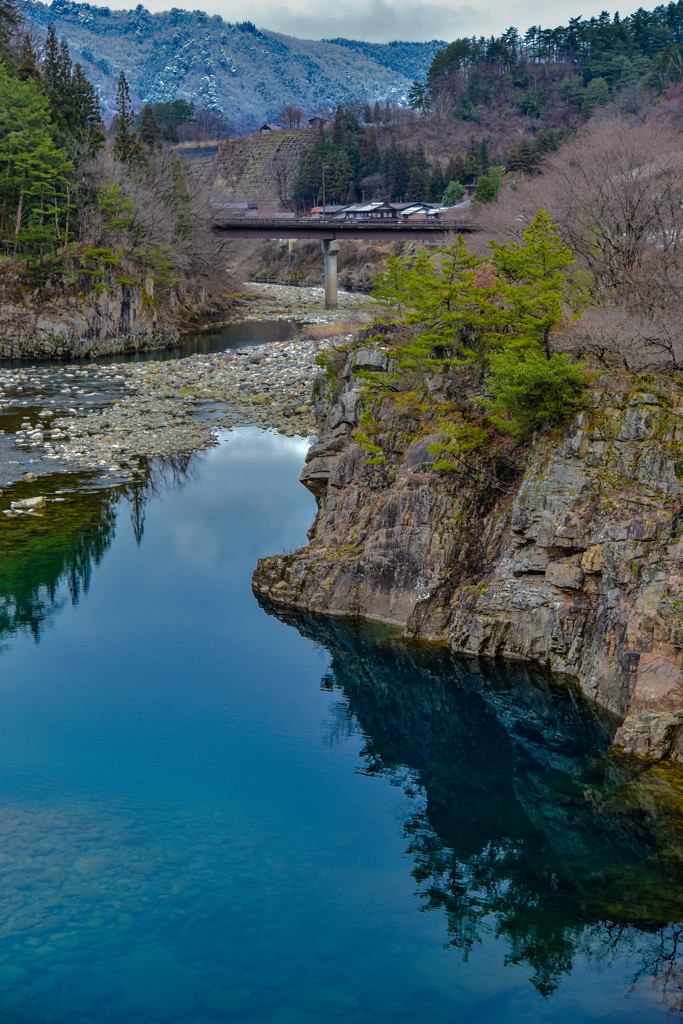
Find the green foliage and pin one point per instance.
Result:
(339, 174)
(528, 390)
(439, 304)
(486, 191)
(533, 276)
(459, 438)
(376, 455)
(34, 210)
(582, 64)
(596, 94)
(115, 207)
(471, 343)
(126, 145)
(168, 117)
(149, 129)
(74, 106)
(453, 194)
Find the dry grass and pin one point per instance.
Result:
(316, 332)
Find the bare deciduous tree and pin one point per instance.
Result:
(290, 116)
(617, 194)
(282, 168)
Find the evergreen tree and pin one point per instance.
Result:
(370, 161)
(74, 106)
(437, 185)
(34, 216)
(486, 190)
(10, 21)
(149, 129)
(416, 185)
(453, 194)
(338, 126)
(418, 158)
(27, 65)
(87, 121)
(534, 274)
(126, 147)
(50, 62)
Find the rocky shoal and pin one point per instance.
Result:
(112, 418)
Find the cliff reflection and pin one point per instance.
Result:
(48, 560)
(523, 825)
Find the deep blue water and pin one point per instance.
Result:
(211, 815)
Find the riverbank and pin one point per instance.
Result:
(577, 567)
(111, 419)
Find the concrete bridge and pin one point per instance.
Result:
(331, 232)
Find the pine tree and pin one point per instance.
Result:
(534, 274)
(27, 67)
(87, 124)
(35, 205)
(50, 63)
(486, 190)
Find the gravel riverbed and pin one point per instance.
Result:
(111, 419)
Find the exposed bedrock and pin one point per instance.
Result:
(578, 569)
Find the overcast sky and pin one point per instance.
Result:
(381, 21)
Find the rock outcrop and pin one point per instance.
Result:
(579, 568)
(118, 319)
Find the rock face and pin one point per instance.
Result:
(118, 319)
(578, 569)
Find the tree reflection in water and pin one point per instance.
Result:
(525, 825)
(48, 560)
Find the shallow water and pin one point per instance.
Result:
(209, 813)
(243, 334)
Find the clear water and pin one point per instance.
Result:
(211, 814)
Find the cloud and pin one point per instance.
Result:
(381, 21)
(373, 21)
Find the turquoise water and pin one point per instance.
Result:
(209, 813)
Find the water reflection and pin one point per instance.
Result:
(243, 334)
(523, 825)
(48, 560)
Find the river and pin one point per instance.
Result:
(212, 813)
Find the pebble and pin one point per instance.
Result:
(112, 418)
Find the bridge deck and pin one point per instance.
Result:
(388, 231)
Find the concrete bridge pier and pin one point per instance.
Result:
(330, 250)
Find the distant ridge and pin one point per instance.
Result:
(246, 72)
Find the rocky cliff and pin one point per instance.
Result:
(578, 567)
(121, 318)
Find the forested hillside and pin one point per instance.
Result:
(245, 72)
(554, 75)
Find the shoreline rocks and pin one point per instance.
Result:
(112, 418)
(67, 346)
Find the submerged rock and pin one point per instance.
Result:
(28, 504)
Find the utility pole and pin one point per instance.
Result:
(325, 168)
